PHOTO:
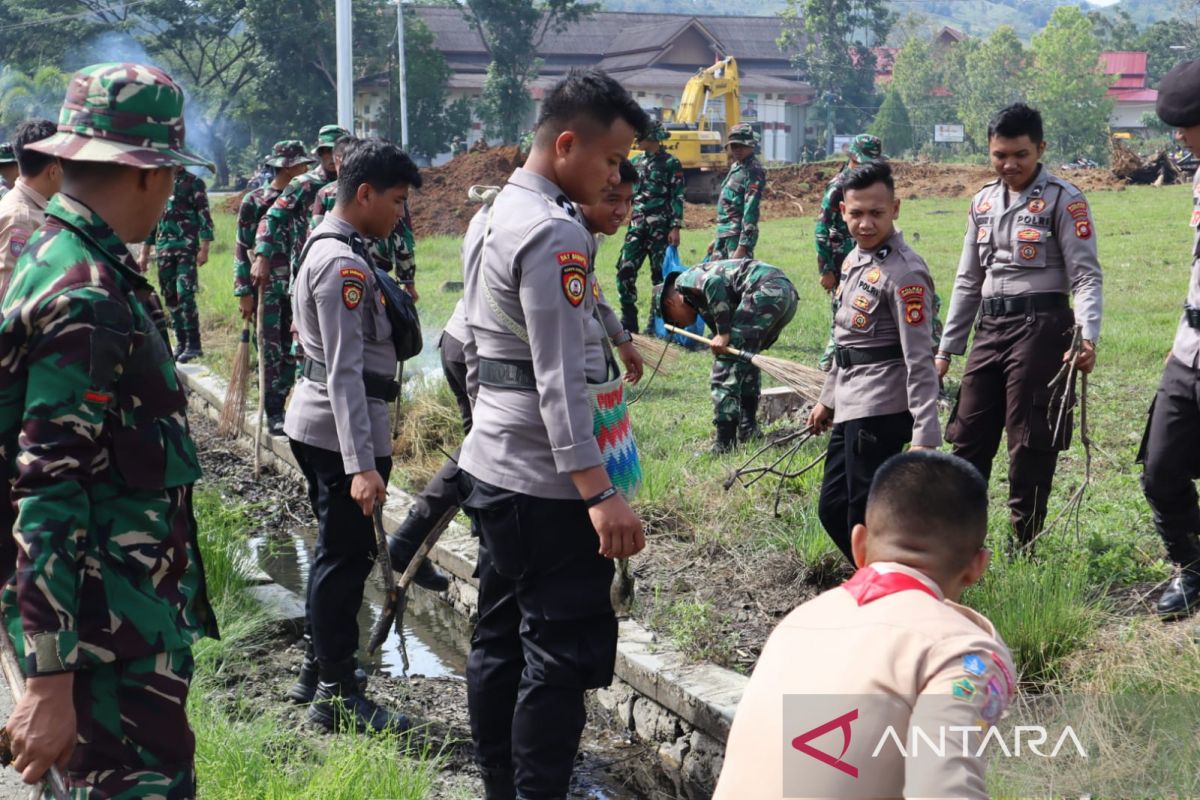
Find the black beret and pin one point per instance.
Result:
(1179, 95)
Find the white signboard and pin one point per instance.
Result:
(948, 133)
(841, 145)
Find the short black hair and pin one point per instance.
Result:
(343, 143)
(628, 173)
(1015, 121)
(380, 164)
(31, 163)
(929, 502)
(587, 95)
(866, 175)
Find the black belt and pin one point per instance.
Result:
(379, 387)
(1024, 304)
(506, 374)
(857, 356)
(1193, 316)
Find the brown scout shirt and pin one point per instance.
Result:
(22, 211)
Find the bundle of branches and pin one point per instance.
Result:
(1124, 161)
(1062, 404)
(750, 473)
(804, 380)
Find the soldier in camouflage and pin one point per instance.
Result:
(8, 167)
(747, 303)
(655, 222)
(289, 159)
(741, 193)
(108, 594)
(181, 241)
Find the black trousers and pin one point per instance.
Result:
(344, 555)
(1004, 390)
(546, 633)
(857, 449)
(1171, 462)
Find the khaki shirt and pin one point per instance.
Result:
(1044, 241)
(889, 646)
(342, 323)
(885, 298)
(1187, 338)
(536, 261)
(22, 211)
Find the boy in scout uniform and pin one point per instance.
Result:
(747, 304)
(739, 199)
(882, 390)
(533, 480)
(23, 210)
(8, 168)
(896, 649)
(338, 422)
(1030, 245)
(1168, 452)
(108, 595)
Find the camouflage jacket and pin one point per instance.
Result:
(251, 211)
(396, 253)
(186, 220)
(737, 207)
(282, 232)
(832, 234)
(658, 194)
(715, 289)
(94, 437)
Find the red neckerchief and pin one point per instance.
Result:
(869, 585)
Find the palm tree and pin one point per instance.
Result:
(24, 96)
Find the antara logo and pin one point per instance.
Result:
(842, 722)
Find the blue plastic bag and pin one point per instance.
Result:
(671, 265)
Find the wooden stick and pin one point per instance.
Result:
(733, 351)
(262, 385)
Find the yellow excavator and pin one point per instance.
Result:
(696, 139)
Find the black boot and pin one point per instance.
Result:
(305, 687)
(192, 351)
(498, 783)
(340, 702)
(1182, 596)
(726, 439)
(180, 346)
(275, 423)
(748, 423)
(402, 545)
(629, 320)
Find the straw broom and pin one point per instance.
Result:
(805, 381)
(262, 387)
(234, 409)
(656, 351)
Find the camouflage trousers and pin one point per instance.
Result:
(134, 740)
(757, 322)
(277, 353)
(827, 357)
(639, 243)
(177, 279)
(722, 249)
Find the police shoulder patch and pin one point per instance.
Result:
(574, 283)
(1083, 229)
(352, 293)
(351, 272)
(1078, 210)
(914, 303)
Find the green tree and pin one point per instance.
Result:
(992, 75)
(832, 40)
(1115, 30)
(25, 96)
(1068, 85)
(919, 77)
(1159, 39)
(432, 122)
(892, 124)
(36, 33)
(513, 30)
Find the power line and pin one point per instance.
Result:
(67, 17)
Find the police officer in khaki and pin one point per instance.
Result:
(882, 390)
(23, 210)
(895, 649)
(1169, 450)
(338, 423)
(1030, 245)
(533, 481)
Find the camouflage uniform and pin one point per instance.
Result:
(657, 209)
(185, 223)
(94, 437)
(737, 207)
(752, 302)
(7, 156)
(396, 253)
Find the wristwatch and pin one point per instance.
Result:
(624, 337)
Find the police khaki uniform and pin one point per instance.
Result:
(22, 211)
(546, 630)
(338, 426)
(1024, 254)
(1169, 454)
(883, 386)
(896, 651)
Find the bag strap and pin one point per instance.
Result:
(349, 241)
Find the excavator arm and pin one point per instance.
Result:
(711, 83)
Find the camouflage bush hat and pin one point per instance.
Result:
(742, 133)
(655, 133)
(7, 154)
(328, 136)
(288, 153)
(866, 148)
(128, 114)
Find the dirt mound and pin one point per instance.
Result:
(233, 203)
(440, 207)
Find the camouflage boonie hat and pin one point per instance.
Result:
(328, 136)
(129, 114)
(742, 133)
(866, 148)
(7, 154)
(655, 133)
(288, 153)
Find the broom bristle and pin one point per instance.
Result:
(234, 410)
(655, 351)
(804, 380)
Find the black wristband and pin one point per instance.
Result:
(600, 498)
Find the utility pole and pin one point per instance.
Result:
(403, 75)
(345, 65)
